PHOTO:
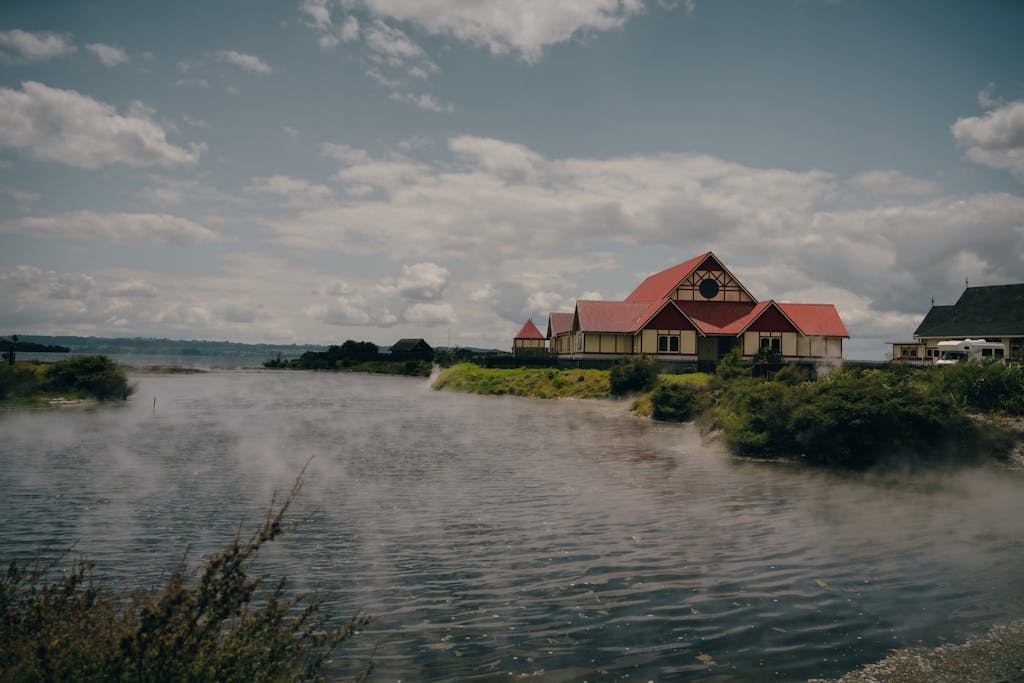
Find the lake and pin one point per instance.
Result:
(498, 537)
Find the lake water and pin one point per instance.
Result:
(494, 538)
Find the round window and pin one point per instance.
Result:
(708, 288)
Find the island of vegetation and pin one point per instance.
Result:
(850, 418)
(78, 378)
(356, 356)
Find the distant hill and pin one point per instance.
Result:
(163, 347)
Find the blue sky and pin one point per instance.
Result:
(321, 170)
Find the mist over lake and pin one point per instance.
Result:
(567, 540)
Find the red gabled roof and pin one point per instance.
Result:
(609, 316)
(559, 323)
(660, 285)
(816, 319)
(529, 331)
(721, 317)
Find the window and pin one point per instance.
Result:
(579, 341)
(773, 344)
(909, 352)
(986, 353)
(999, 353)
(668, 343)
(932, 353)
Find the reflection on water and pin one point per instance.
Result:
(497, 536)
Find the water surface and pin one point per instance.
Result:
(500, 537)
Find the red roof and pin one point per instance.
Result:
(709, 317)
(816, 319)
(610, 316)
(529, 331)
(660, 285)
(559, 323)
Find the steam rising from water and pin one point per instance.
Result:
(497, 535)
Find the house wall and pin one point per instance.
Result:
(647, 341)
(602, 342)
(528, 343)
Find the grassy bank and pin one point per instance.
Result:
(81, 377)
(535, 382)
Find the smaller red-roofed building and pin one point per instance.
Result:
(528, 340)
(694, 312)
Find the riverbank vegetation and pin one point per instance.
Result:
(854, 418)
(79, 377)
(536, 382)
(353, 356)
(224, 626)
(850, 418)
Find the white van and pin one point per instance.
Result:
(957, 350)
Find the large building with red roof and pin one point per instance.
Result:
(693, 312)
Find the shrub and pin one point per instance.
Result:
(985, 387)
(91, 376)
(793, 374)
(223, 627)
(21, 380)
(732, 366)
(633, 374)
(677, 402)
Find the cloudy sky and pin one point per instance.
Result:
(312, 171)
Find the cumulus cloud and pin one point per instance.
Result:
(523, 28)
(418, 282)
(248, 62)
(108, 54)
(995, 139)
(430, 314)
(295, 191)
(35, 47)
(136, 229)
(351, 310)
(131, 288)
(317, 14)
(424, 101)
(64, 126)
(518, 223)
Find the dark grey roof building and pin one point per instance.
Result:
(994, 313)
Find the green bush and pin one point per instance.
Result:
(633, 374)
(983, 387)
(21, 380)
(88, 376)
(731, 366)
(223, 627)
(677, 402)
(854, 420)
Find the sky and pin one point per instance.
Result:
(311, 171)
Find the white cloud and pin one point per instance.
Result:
(430, 314)
(344, 153)
(248, 62)
(352, 310)
(995, 139)
(64, 126)
(524, 28)
(987, 97)
(419, 282)
(22, 197)
(318, 17)
(35, 47)
(891, 183)
(424, 101)
(108, 54)
(296, 191)
(137, 229)
(131, 288)
(391, 47)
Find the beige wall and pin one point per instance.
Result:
(600, 342)
(528, 343)
(647, 341)
(728, 288)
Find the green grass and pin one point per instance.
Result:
(534, 382)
